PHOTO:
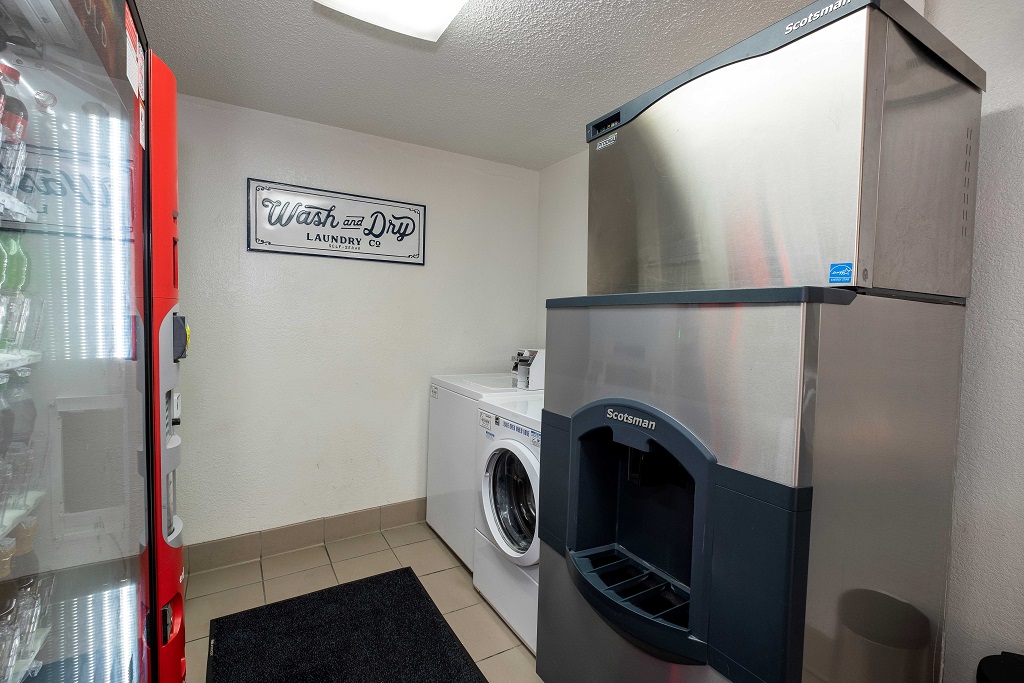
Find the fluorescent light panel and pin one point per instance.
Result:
(426, 19)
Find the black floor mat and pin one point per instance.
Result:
(376, 630)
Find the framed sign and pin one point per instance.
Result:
(292, 219)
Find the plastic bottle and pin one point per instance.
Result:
(6, 417)
(9, 78)
(10, 644)
(14, 127)
(17, 261)
(3, 94)
(4, 298)
(13, 153)
(23, 405)
(7, 546)
(44, 133)
(17, 304)
(25, 302)
(29, 605)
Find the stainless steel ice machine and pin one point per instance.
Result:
(841, 153)
(750, 422)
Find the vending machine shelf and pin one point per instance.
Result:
(23, 667)
(15, 209)
(16, 359)
(15, 515)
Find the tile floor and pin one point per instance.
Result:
(218, 592)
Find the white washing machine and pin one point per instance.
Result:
(452, 488)
(507, 549)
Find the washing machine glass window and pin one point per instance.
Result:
(513, 500)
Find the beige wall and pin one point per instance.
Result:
(305, 393)
(562, 254)
(986, 584)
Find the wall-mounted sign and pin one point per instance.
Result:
(292, 219)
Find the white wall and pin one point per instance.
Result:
(562, 254)
(305, 392)
(986, 588)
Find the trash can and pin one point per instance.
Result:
(1003, 668)
(881, 638)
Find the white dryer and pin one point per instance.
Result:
(452, 489)
(507, 550)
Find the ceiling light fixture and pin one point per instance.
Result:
(426, 19)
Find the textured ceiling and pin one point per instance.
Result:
(511, 80)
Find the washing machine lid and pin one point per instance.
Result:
(510, 489)
(479, 385)
(523, 408)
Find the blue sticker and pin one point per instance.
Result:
(840, 274)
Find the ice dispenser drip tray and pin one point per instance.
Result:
(635, 585)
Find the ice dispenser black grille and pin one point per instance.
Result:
(638, 503)
(636, 585)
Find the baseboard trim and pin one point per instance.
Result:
(224, 552)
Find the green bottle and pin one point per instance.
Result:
(15, 277)
(17, 263)
(24, 269)
(3, 266)
(5, 299)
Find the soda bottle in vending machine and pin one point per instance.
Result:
(12, 291)
(13, 129)
(6, 417)
(23, 406)
(5, 83)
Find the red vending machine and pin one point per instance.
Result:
(91, 570)
(169, 340)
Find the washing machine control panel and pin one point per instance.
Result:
(496, 427)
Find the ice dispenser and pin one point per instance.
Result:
(636, 547)
(651, 513)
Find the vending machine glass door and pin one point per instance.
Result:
(73, 455)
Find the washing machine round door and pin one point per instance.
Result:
(510, 488)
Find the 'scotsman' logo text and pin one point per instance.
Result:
(814, 16)
(631, 419)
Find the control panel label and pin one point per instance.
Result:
(608, 141)
(512, 426)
